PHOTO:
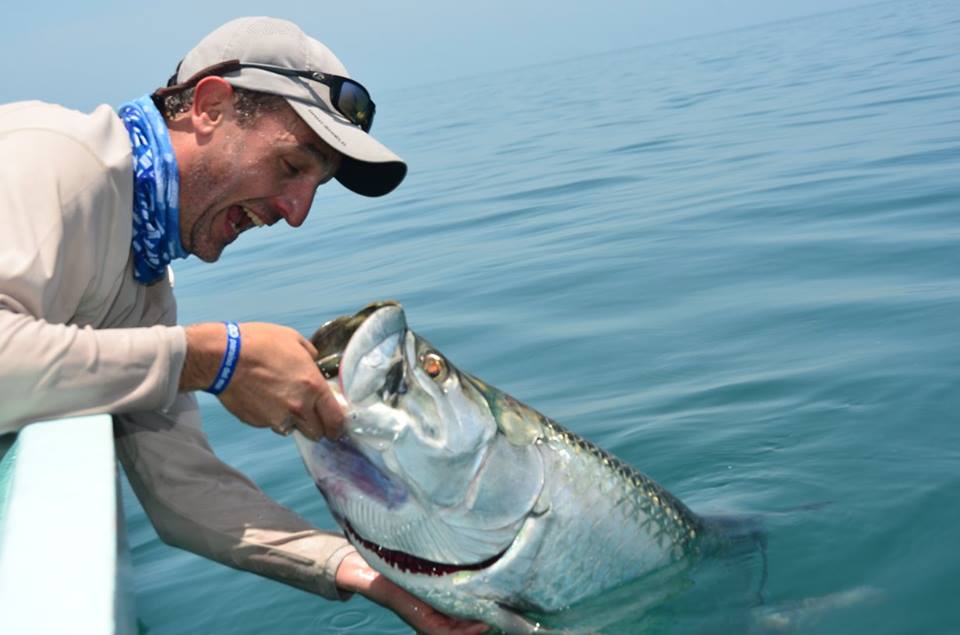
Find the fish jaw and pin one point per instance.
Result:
(389, 526)
(497, 485)
(493, 591)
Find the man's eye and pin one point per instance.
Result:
(290, 168)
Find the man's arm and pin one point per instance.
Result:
(61, 253)
(198, 503)
(52, 369)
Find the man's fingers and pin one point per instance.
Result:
(329, 412)
(285, 427)
(307, 344)
(311, 426)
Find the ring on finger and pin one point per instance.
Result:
(285, 427)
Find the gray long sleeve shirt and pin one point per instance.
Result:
(78, 335)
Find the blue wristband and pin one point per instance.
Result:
(229, 362)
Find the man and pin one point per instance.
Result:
(94, 207)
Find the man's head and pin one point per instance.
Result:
(259, 116)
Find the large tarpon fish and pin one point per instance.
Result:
(471, 500)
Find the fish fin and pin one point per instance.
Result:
(739, 535)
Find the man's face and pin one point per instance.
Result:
(251, 176)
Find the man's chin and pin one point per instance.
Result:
(207, 255)
(209, 258)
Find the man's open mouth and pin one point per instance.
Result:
(242, 218)
(412, 564)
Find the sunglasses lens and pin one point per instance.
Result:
(355, 104)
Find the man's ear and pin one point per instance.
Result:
(212, 103)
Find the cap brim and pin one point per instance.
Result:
(368, 166)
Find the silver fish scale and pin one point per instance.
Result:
(632, 524)
(655, 503)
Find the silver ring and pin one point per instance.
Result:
(285, 427)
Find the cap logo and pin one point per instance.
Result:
(258, 28)
(327, 128)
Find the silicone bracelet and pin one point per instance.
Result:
(229, 362)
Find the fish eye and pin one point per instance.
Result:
(434, 365)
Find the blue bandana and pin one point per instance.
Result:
(156, 191)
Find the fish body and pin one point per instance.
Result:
(471, 500)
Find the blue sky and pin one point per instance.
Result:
(85, 53)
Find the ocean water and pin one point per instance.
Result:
(733, 261)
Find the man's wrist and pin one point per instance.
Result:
(205, 346)
(354, 575)
(231, 356)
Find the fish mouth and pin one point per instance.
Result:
(332, 338)
(409, 563)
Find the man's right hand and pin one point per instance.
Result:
(276, 377)
(355, 575)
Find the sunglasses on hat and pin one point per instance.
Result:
(347, 96)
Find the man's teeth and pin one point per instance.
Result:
(254, 218)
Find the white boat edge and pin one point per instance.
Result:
(64, 561)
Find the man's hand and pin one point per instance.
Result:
(354, 574)
(276, 378)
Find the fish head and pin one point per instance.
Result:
(431, 476)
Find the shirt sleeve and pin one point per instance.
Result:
(58, 241)
(198, 503)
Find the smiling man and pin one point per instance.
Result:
(94, 208)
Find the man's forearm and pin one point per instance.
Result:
(205, 345)
(54, 369)
(197, 502)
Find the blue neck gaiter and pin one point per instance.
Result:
(156, 191)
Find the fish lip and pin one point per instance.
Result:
(333, 336)
(409, 563)
(386, 322)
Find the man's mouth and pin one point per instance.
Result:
(240, 218)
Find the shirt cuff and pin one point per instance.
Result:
(331, 566)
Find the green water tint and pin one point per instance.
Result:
(8, 459)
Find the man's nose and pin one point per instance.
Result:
(294, 205)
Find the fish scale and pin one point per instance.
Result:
(644, 508)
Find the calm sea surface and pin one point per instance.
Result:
(734, 261)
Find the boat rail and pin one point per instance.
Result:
(64, 561)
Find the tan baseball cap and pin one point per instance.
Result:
(368, 167)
